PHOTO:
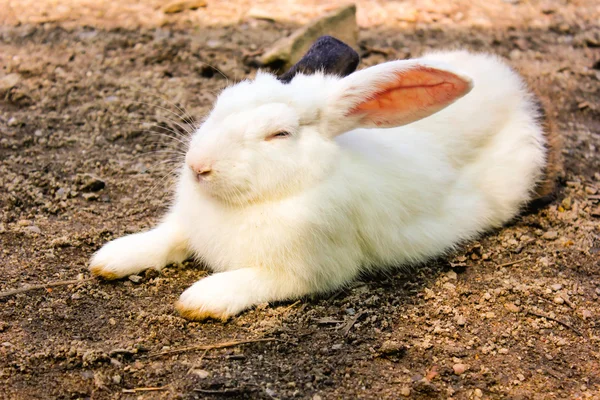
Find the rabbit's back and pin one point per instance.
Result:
(464, 170)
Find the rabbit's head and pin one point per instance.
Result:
(268, 138)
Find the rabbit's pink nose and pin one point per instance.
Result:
(202, 170)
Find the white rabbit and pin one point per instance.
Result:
(292, 189)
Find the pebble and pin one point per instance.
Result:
(90, 196)
(33, 229)
(559, 300)
(460, 369)
(317, 397)
(503, 351)
(182, 5)
(586, 314)
(405, 391)
(200, 373)
(116, 379)
(477, 393)
(556, 287)
(567, 203)
(9, 81)
(91, 183)
(452, 275)
(337, 346)
(550, 235)
(13, 122)
(391, 347)
(461, 320)
(350, 311)
(512, 307)
(135, 278)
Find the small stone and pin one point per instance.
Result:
(461, 320)
(503, 351)
(391, 347)
(337, 346)
(586, 314)
(405, 391)
(33, 229)
(90, 183)
(182, 5)
(90, 196)
(76, 296)
(24, 222)
(556, 287)
(460, 369)
(340, 24)
(13, 121)
(550, 235)
(9, 81)
(490, 315)
(521, 377)
(512, 307)
(112, 321)
(200, 373)
(317, 397)
(478, 393)
(350, 311)
(449, 286)
(135, 278)
(452, 275)
(116, 379)
(566, 203)
(559, 300)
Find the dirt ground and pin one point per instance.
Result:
(99, 88)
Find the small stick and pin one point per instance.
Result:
(555, 320)
(12, 292)
(351, 323)
(212, 346)
(144, 389)
(225, 392)
(288, 308)
(508, 264)
(569, 302)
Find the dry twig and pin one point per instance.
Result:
(508, 264)
(207, 347)
(12, 292)
(352, 322)
(144, 389)
(563, 323)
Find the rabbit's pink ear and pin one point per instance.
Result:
(397, 93)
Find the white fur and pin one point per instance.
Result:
(287, 217)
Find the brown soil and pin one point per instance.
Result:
(515, 315)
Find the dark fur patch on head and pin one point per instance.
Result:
(327, 54)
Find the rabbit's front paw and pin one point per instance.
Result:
(218, 296)
(125, 256)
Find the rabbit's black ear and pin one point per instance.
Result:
(327, 54)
